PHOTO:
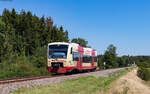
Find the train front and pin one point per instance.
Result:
(57, 57)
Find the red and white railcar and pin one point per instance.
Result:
(66, 57)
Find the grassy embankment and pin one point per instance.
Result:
(83, 85)
(129, 84)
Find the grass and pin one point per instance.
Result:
(83, 85)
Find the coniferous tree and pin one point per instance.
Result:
(29, 32)
(66, 36)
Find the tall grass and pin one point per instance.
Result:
(24, 66)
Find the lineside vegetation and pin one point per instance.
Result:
(83, 85)
(144, 71)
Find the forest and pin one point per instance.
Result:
(24, 38)
(23, 45)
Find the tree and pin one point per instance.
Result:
(1, 38)
(80, 41)
(112, 50)
(7, 36)
(66, 36)
(109, 57)
(29, 32)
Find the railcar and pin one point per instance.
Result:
(67, 57)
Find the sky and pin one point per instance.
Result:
(123, 23)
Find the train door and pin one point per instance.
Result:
(93, 56)
(80, 52)
(79, 62)
(92, 61)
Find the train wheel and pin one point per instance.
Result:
(92, 70)
(68, 73)
(74, 71)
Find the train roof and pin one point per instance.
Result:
(73, 44)
(65, 43)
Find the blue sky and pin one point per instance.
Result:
(124, 23)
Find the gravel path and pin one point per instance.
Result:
(7, 88)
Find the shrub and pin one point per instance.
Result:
(143, 65)
(39, 62)
(17, 70)
(144, 73)
(21, 66)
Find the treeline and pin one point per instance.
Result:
(110, 59)
(23, 42)
(24, 32)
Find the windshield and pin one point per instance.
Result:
(58, 51)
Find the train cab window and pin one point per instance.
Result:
(75, 56)
(58, 51)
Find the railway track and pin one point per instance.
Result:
(6, 86)
(7, 81)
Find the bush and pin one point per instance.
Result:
(39, 62)
(21, 66)
(143, 65)
(22, 70)
(144, 73)
(18, 70)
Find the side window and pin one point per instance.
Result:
(87, 59)
(75, 56)
(84, 58)
(90, 59)
(95, 59)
